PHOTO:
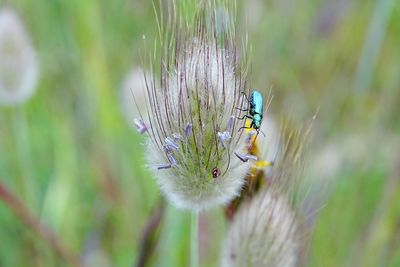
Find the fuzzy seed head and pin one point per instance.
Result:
(18, 62)
(195, 99)
(263, 233)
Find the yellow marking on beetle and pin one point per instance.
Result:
(254, 149)
(255, 178)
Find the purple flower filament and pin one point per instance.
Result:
(141, 126)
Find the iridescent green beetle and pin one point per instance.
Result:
(255, 110)
(255, 113)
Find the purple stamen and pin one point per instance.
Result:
(241, 157)
(164, 166)
(188, 130)
(167, 149)
(251, 157)
(171, 143)
(172, 159)
(168, 146)
(177, 136)
(245, 157)
(141, 126)
(224, 138)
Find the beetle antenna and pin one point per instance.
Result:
(244, 127)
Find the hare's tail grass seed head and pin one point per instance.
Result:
(268, 228)
(264, 232)
(192, 111)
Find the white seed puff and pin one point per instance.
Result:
(19, 68)
(192, 118)
(264, 232)
(268, 228)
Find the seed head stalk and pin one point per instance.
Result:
(267, 225)
(194, 239)
(193, 102)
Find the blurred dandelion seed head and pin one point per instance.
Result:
(18, 62)
(193, 130)
(263, 233)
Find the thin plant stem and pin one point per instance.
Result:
(194, 239)
(150, 234)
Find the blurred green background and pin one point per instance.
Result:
(77, 163)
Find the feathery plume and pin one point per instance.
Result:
(192, 111)
(265, 222)
(263, 233)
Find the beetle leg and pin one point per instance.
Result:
(242, 109)
(244, 127)
(245, 116)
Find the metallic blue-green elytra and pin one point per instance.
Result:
(256, 109)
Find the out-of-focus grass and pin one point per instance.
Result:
(70, 155)
(86, 174)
